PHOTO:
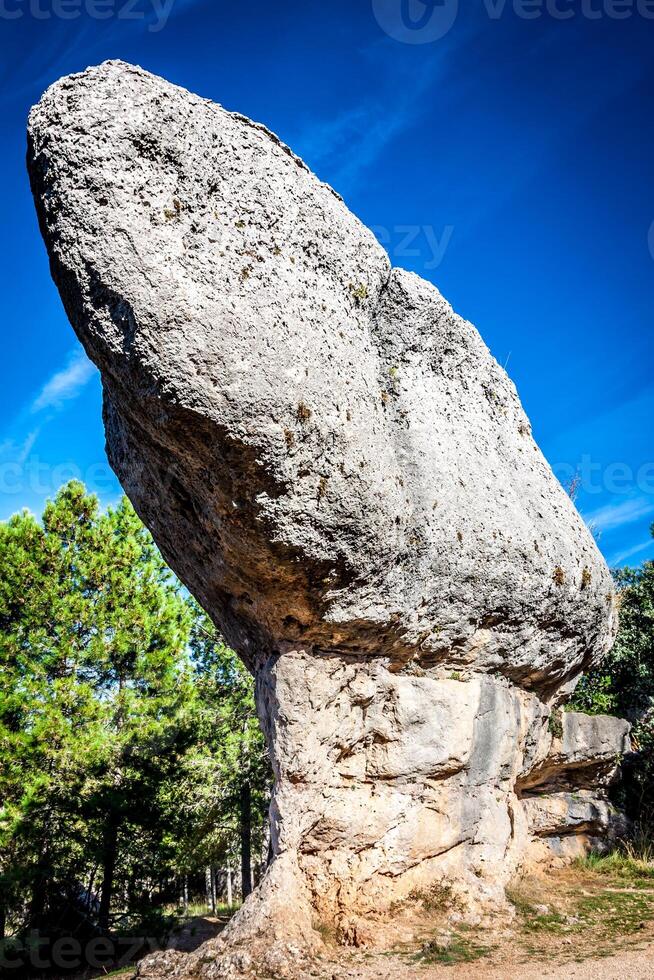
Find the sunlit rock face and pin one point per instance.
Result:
(334, 464)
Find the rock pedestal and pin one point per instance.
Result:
(334, 464)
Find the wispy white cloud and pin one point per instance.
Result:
(615, 515)
(19, 449)
(325, 138)
(623, 556)
(28, 444)
(349, 144)
(66, 384)
(62, 388)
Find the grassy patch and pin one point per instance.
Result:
(519, 902)
(588, 911)
(534, 919)
(618, 913)
(458, 949)
(546, 922)
(621, 864)
(596, 909)
(439, 897)
(200, 910)
(359, 292)
(327, 933)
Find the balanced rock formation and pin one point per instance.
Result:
(334, 464)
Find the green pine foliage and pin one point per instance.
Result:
(127, 727)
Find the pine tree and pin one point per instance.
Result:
(93, 704)
(131, 759)
(223, 801)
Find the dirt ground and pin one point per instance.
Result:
(574, 923)
(634, 964)
(570, 924)
(631, 965)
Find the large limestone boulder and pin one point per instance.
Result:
(332, 461)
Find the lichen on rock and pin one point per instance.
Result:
(337, 468)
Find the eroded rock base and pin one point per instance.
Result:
(389, 785)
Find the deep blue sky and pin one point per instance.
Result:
(508, 159)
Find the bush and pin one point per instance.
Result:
(624, 685)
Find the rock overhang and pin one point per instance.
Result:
(351, 432)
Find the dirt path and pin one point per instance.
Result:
(633, 964)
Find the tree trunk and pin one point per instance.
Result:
(266, 846)
(229, 887)
(39, 891)
(246, 830)
(208, 882)
(109, 856)
(89, 890)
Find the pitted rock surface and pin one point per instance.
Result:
(335, 465)
(346, 463)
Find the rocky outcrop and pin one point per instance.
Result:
(334, 464)
(565, 795)
(583, 751)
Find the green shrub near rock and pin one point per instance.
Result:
(624, 685)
